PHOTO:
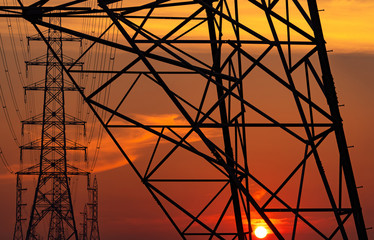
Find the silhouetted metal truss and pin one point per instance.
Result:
(90, 224)
(93, 206)
(18, 231)
(237, 111)
(83, 233)
(52, 201)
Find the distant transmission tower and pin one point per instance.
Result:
(18, 232)
(237, 107)
(83, 235)
(52, 204)
(93, 206)
(90, 225)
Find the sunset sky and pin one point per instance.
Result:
(127, 208)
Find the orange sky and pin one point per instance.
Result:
(348, 31)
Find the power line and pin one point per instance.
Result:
(3, 101)
(9, 79)
(5, 162)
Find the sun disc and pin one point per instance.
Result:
(261, 232)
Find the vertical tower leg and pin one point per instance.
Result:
(332, 100)
(216, 58)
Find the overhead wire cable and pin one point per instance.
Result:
(95, 83)
(93, 58)
(97, 27)
(2, 96)
(80, 108)
(79, 131)
(9, 79)
(5, 162)
(17, 65)
(15, 55)
(90, 30)
(114, 37)
(96, 59)
(7, 116)
(82, 80)
(22, 31)
(106, 99)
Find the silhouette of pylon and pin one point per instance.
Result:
(240, 101)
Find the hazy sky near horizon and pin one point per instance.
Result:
(348, 28)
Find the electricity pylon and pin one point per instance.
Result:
(238, 110)
(52, 204)
(18, 232)
(93, 206)
(90, 225)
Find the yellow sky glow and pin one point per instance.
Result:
(348, 25)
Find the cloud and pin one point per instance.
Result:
(259, 194)
(134, 141)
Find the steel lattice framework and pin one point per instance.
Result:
(52, 194)
(18, 233)
(238, 107)
(52, 204)
(93, 211)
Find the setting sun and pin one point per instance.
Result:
(261, 232)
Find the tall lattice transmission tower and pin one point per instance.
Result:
(237, 105)
(52, 204)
